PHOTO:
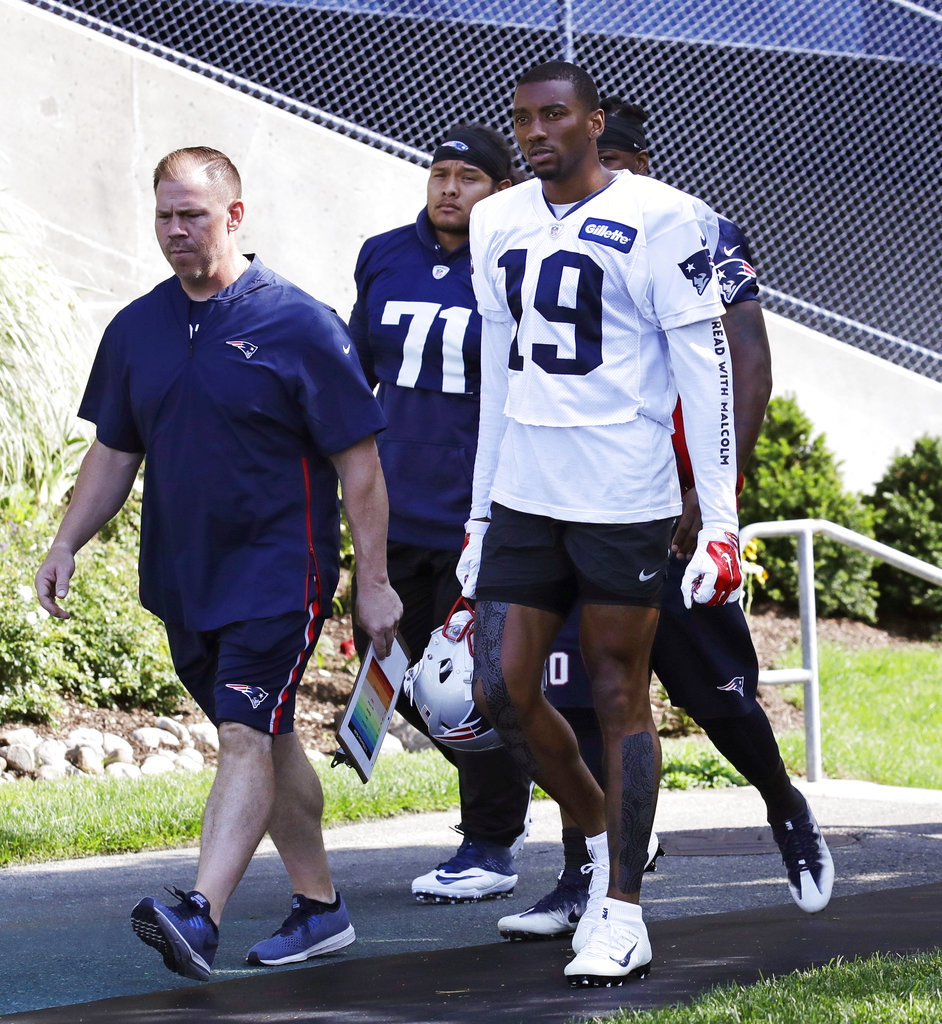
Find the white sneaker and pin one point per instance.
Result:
(617, 948)
(598, 885)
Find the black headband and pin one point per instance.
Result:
(620, 133)
(474, 147)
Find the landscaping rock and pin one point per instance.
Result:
(153, 739)
(391, 745)
(113, 744)
(173, 726)
(22, 737)
(191, 758)
(156, 764)
(19, 759)
(120, 770)
(51, 752)
(85, 737)
(206, 735)
(87, 759)
(53, 772)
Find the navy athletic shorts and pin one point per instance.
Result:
(546, 563)
(249, 671)
(704, 657)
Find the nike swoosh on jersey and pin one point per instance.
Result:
(728, 251)
(645, 576)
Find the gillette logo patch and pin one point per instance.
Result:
(609, 232)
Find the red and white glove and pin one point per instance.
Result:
(714, 574)
(470, 561)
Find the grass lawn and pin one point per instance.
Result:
(879, 990)
(881, 715)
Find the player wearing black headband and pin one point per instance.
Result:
(705, 658)
(418, 334)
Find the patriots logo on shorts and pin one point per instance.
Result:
(734, 686)
(698, 269)
(245, 347)
(255, 693)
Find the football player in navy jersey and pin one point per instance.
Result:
(242, 392)
(599, 302)
(418, 334)
(704, 657)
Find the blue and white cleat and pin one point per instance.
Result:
(480, 870)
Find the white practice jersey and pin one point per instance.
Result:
(583, 316)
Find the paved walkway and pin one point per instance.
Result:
(718, 909)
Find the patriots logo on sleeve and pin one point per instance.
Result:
(698, 269)
(245, 347)
(733, 275)
(255, 693)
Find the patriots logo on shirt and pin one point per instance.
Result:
(698, 269)
(255, 693)
(734, 685)
(732, 276)
(245, 347)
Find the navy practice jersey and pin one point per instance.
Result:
(418, 333)
(237, 402)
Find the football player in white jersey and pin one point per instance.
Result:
(599, 304)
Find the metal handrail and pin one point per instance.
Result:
(805, 529)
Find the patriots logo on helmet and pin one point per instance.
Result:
(733, 275)
(255, 693)
(245, 347)
(734, 686)
(698, 269)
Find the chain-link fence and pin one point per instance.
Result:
(812, 123)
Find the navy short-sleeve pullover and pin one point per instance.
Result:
(237, 402)
(418, 332)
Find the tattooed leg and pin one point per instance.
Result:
(511, 643)
(490, 688)
(638, 790)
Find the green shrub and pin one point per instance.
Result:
(908, 506)
(793, 475)
(45, 352)
(111, 653)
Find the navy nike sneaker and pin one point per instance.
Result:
(480, 870)
(311, 929)
(184, 935)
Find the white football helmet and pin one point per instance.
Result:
(439, 685)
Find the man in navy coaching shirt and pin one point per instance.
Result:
(245, 397)
(418, 333)
(704, 657)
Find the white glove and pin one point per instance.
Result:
(470, 561)
(714, 574)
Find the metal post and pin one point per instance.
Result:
(809, 647)
(567, 45)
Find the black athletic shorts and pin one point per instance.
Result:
(704, 657)
(546, 563)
